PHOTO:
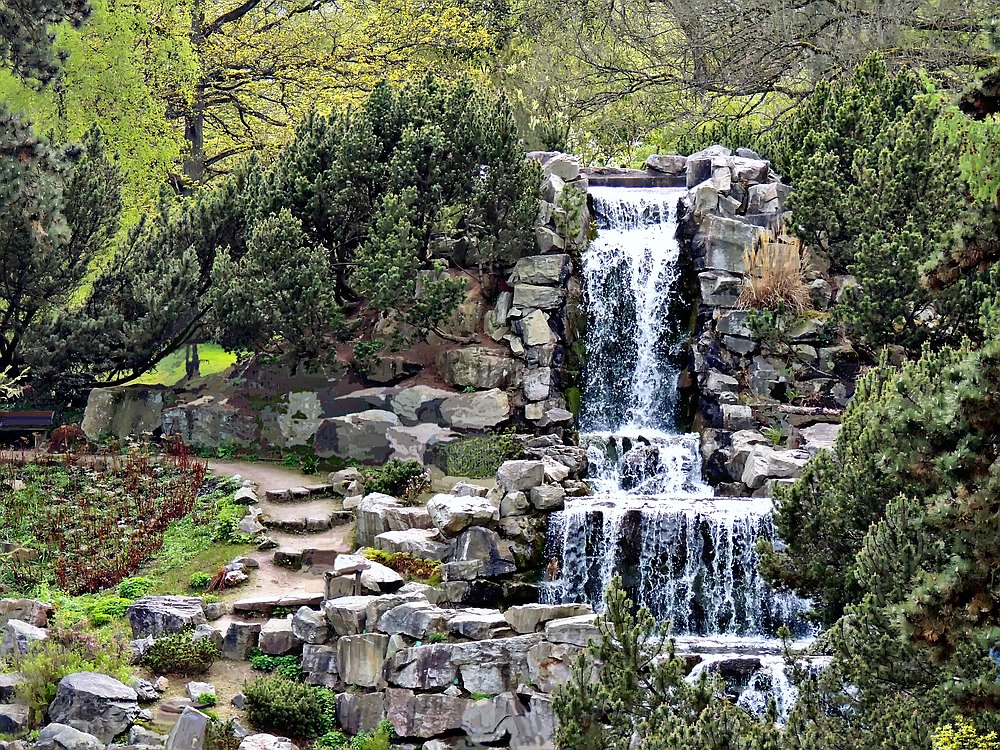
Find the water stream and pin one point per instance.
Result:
(686, 555)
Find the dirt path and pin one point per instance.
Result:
(276, 580)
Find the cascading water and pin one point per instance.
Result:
(686, 555)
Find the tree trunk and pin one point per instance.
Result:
(194, 119)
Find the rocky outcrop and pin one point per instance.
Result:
(159, 615)
(96, 704)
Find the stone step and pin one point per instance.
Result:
(265, 605)
(293, 494)
(308, 524)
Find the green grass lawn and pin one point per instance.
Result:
(212, 357)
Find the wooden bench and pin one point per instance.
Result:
(34, 422)
(25, 421)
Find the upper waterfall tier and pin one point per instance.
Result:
(636, 336)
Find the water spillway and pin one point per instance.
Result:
(686, 555)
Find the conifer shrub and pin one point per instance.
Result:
(274, 704)
(402, 479)
(178, 653)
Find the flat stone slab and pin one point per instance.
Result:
(264, 605)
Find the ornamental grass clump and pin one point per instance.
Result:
(775, 275)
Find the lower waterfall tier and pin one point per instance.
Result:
(692, 561)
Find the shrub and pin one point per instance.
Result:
(481, 455)
(221, 735)
(379, 739)
(65, 651)
(775, 275)
(330, 741)
(437, 638)
(276, 704)
(134, 588)
(284, 666)
(200, 580)
(177, 653)
(403, 479)
(207, 700)
(962, 735)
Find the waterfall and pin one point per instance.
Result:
(689, 557)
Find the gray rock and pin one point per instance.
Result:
(142, 736)
(347, 615)
(750, 170)
(360, 712)
(240, 638)
(528, 618)
(160, 615)
(360, 658)
(14, 718)
(188, 733)
(666, 163)
(360, 436)
(535, 330)
(195, 690)
(278, 639)
(96, 704)
(548, 241)
(8, 686)
(551, 664)
(319, 663)
(548, 497)
(537, 384)
(19, 636)
(514, 504)
(520, 476)
(485, 545)
(452, 514)
(421, 543)
(468, 489)
(478, 367)
(537, 728)
(538, 297)
(418, 403)
(477, 624)
(347, 482)
(58, 736)
(725, 241)
(26, 610)
(490, 666)
(577, 631)
(544, 270)
(123, 412)
(371, 518)
(489, 720)
(766, 462)
(415, 619)
(737, 417)
(417, 443)
(210, 632)
(145, 690)
(424, 716)
(564, 166)
(266, 742)
(309, 626)
(821, 436)
(476, 411)
(552, 187)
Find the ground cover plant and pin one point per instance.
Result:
(56, 514)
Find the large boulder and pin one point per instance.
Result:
(490, 719)
(347, 615)
(543, 270)
(485, 546)
(418, 442)
(371, 516)
(240, 638)
(667, 163)
(419, 403)
(212, 421)
(58, 736)
(159, 615)
(533, 296)
(277, 638)
(415, 619)
(520, 476)
(361, 436)
(424, 716)
(122, 412)
(26, 610)
(476, 411)
(96, 704)
(319, 665)
(766, 462)
(528, 618)
(478, 624)
(489, 666)
(535, 330)
(452, 514)
(551, 664)
(360, 658)
(360, 712)
(478, 367)
(420, 543)
(577, 631)
(18, 637)
(309, 626)
(188, 732)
